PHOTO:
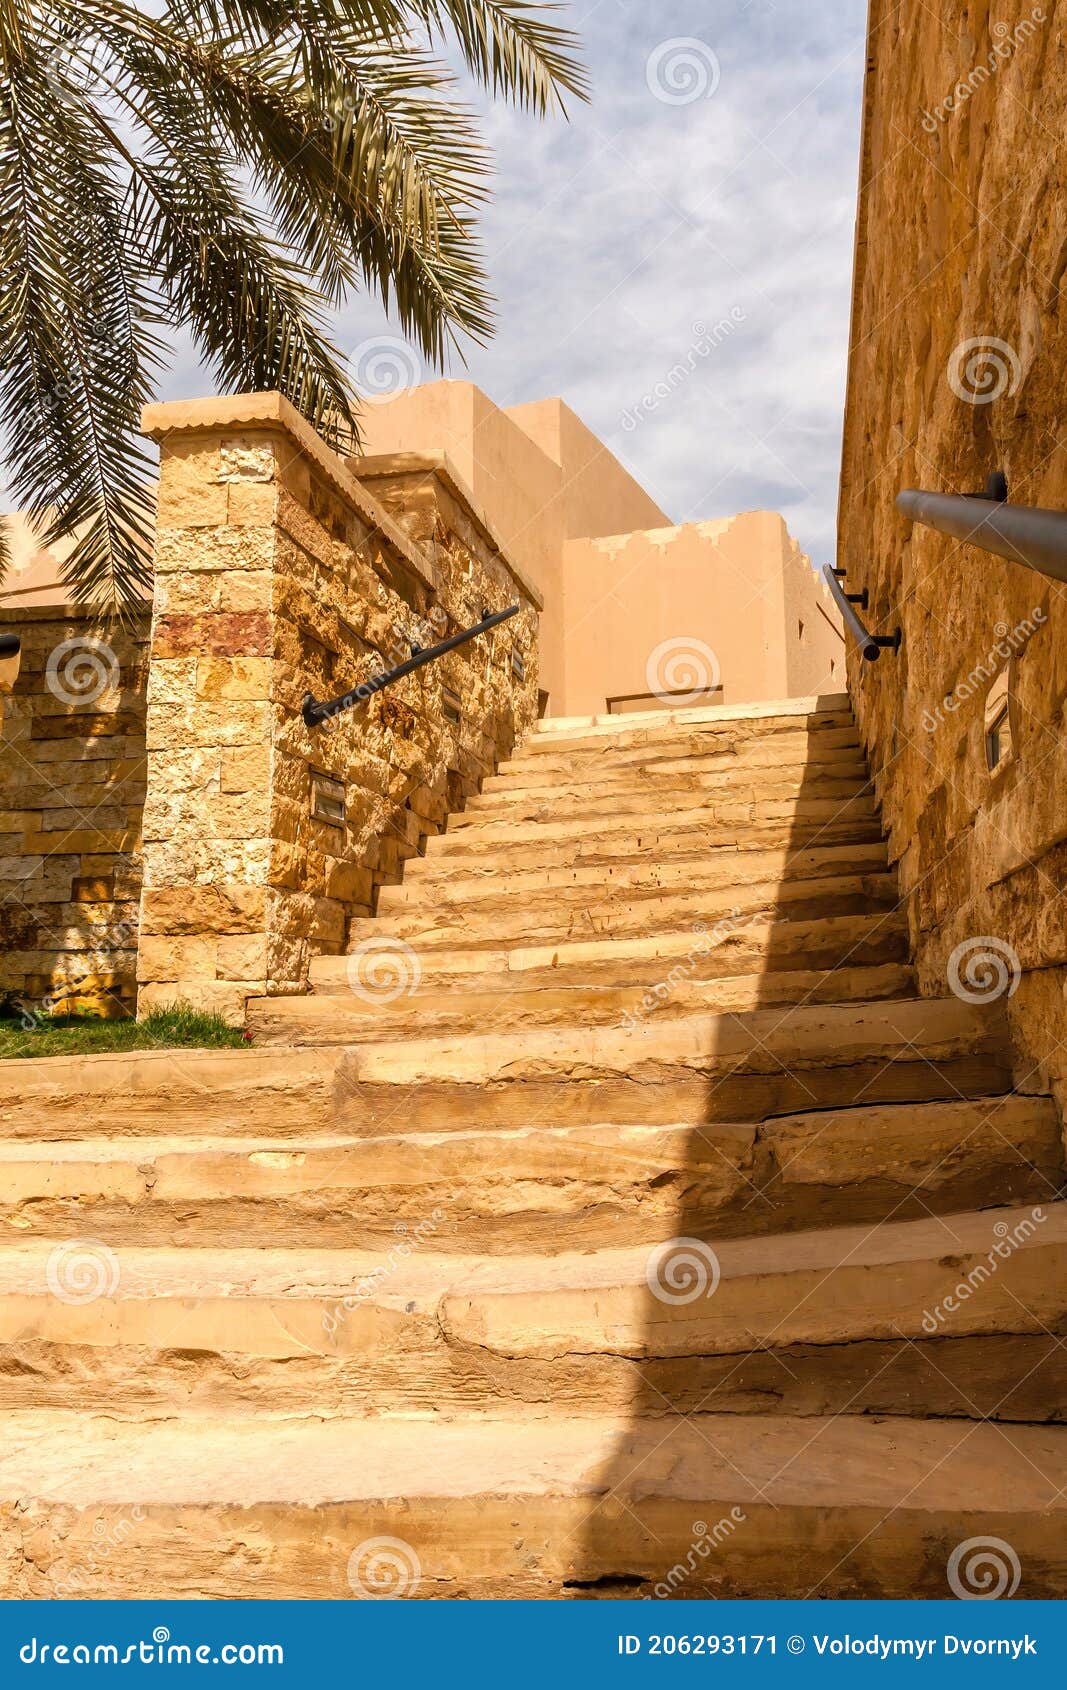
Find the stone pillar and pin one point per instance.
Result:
(277, 573)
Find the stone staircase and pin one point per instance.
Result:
(594, 1228)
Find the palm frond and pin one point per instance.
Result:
(512, 49)
(76, 350)
(236, 166)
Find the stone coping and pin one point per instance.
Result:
(438, 463)
(130, 1074)
(246, 412)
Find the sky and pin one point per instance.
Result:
(675, 260)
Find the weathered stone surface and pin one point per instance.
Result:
(542, 1189)
(959, 257)
(203, 1488)
(72, 786)
(270, 504)
(462, 1224)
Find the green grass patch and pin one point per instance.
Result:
(176, 1028)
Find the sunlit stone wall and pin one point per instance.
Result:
(959, 346)
(278, 574)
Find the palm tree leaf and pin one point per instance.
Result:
(75, 354)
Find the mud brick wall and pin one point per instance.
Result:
(959, 342)
(72, 786)
(277, 573)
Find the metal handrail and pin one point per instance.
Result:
(1021, 533)
(871, 646)
(316, 712)
(10, 645)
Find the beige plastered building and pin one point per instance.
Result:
(639, 612)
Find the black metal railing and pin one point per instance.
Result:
(10, 645)
(316, 712)
(871, 646)
(1021, 533)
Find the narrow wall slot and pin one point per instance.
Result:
(327, 799)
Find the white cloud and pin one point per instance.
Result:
(610, 236)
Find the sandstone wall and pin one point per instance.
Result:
(959, 342)
(278, 573)
(72, 785)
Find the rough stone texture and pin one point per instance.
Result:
(72, 785)
(963, 234)
(845, 1507)
(532, 1296)
(277, 575)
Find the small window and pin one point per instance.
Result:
(518, 665)
(997, 740)
(451, 706)
(999, 749)
(327, 799)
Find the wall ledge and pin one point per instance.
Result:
(439, 464)
(247, 412)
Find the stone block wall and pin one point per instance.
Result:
(72, 787)
(278, 573)
(959, 342)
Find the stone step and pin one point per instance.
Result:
(836, 1285)
(699, 1067)
(694, 1068)
(680, 757)
(511, 1507)
(168, 1091)
(539, 1188)
(502, 830)
(604, 846)
(415, 1329)
(708, 916)
(595, 797)
(702, 951)
(488, 883)
(754, 721)
(334, 1015)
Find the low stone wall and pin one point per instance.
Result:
(959, 343)
(72, 786)
(278, 573)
